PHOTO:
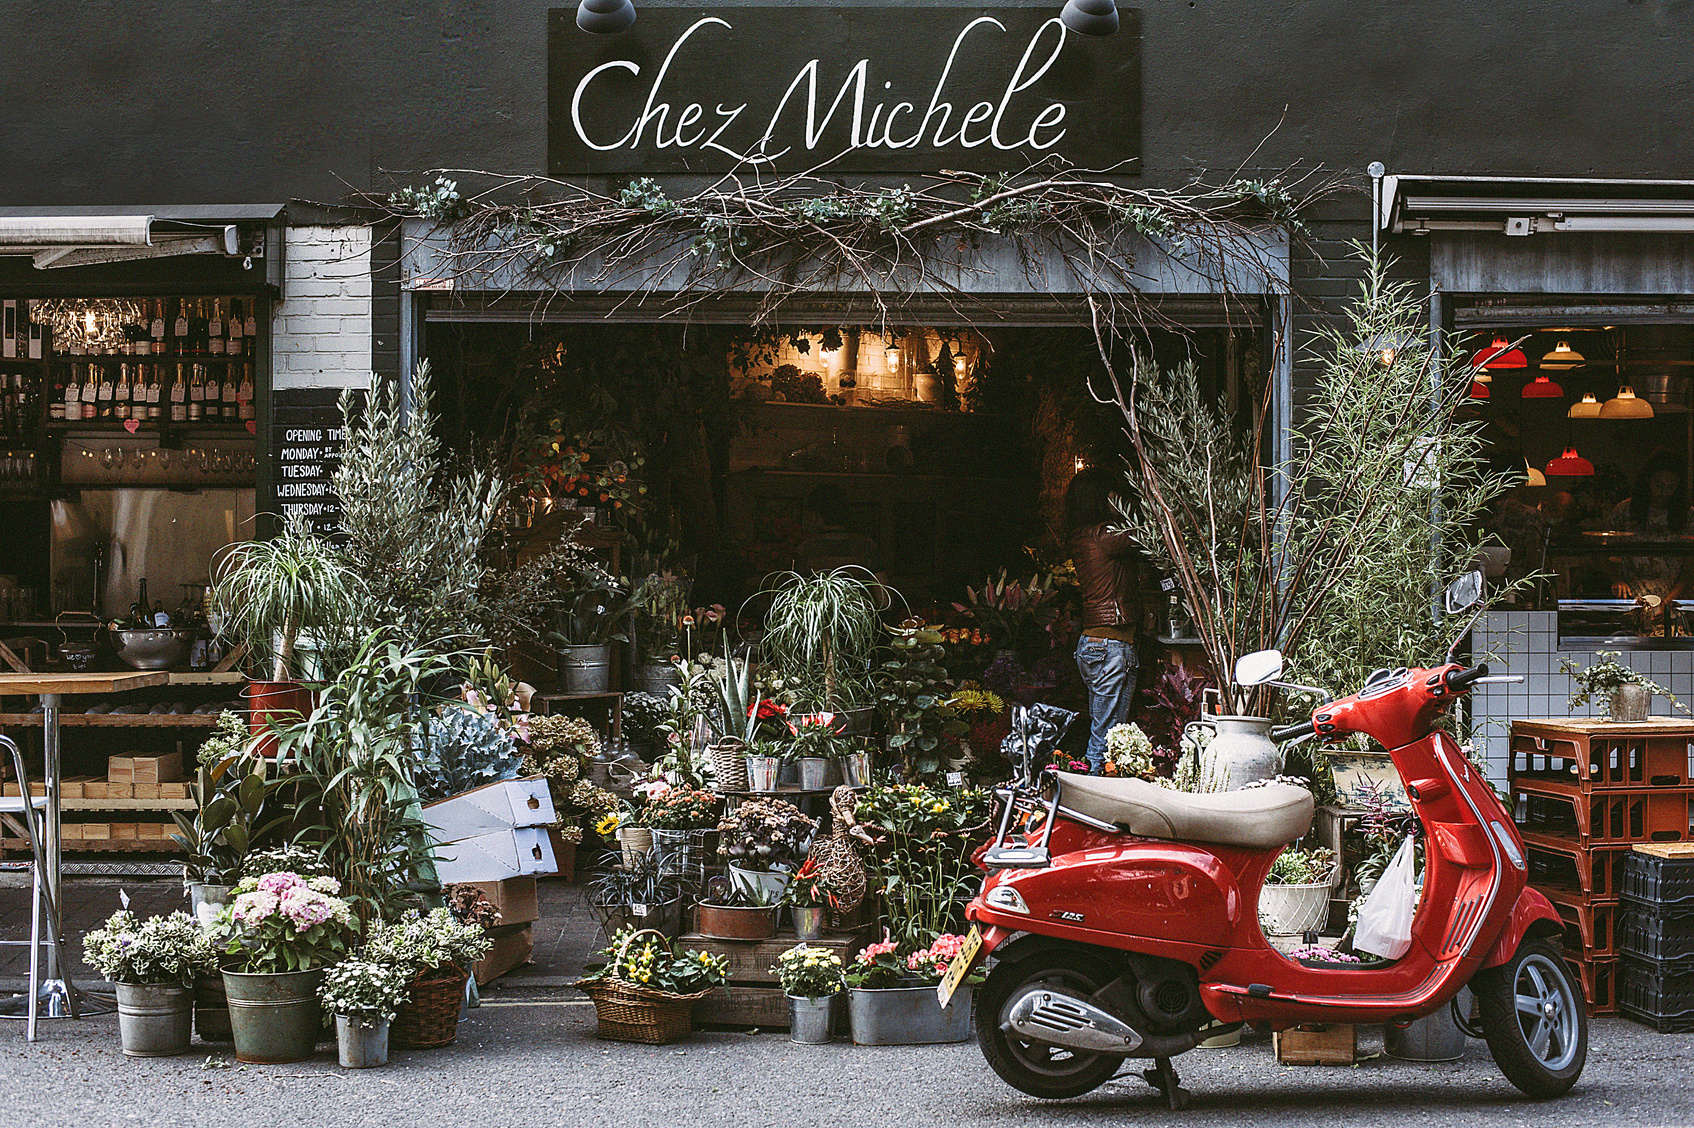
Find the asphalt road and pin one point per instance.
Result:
(531, 1059)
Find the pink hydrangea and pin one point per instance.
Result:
(251, 908)
(304, 907)
(279, 883)
(883, 947)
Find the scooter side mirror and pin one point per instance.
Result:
(1258, 668)
(1464, 592)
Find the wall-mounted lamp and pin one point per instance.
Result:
(605, 17)
(1090, 17)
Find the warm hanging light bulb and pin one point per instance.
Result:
(1497, 355)
(1570, 465)
(1626, 405)
(1562, 357)
(891, 357)
(1585, 408)
(1542, 388)
(1535, 477)
(1483, 376)
(88, 323)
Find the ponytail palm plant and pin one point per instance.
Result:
(270, 592)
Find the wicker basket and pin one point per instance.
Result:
(630, 1013)
(430, 1015)
(729, 757)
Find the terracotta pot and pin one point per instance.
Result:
(282, 702)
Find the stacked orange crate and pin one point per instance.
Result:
(1583, 794)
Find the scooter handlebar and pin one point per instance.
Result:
(1289, 732)
(1463, 679)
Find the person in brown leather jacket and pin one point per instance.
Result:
(1107, 570)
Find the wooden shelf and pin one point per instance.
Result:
(115, 720)
(75, 845)
(126, 804)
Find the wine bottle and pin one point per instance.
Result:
(231, 394)
(179, 397)
(155, 393)
(56, 406)
(90, 391)
(196, 393)
(179, 329)
(103, 394)
(250, 326)
(244, 395)
(156, 329)
(120, 393)
(215, 324)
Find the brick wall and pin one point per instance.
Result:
(321, 334)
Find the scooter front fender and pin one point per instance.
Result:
(1128, 896)
(1532, 915)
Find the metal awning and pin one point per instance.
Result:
(1508, 205)
(82, 236)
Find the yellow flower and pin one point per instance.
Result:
(607, 825)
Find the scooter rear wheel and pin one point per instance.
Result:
(1534, 1019)
(1049, 1072)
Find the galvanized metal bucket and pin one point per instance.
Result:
(585, 667)
(808, 921)
(155, 1019)
(814, 773)
(360, 1044)
(1629, 703)
(811, 1020)
(274, 1017)
(856, 769)
(211, 1009)
(762, 772)
(1434, 1037)
(908, 1016)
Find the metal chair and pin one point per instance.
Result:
(27, 814)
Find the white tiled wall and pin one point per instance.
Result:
(1527, 643)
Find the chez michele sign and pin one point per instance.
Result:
(891, 89)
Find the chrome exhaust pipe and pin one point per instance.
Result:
(1054, 1016)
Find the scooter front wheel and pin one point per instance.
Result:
(1534, 1019)
(1049, 1072)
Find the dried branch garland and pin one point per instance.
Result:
(805, 234)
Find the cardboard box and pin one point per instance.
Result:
(145, 790)
(514, 946)
(124, 831)
(157, 769)
(494, 807)
(96, 831)
(120, 769)
(1332, 1043)
(96, 789)
(514, 898)
(173, 790)
(494, 857)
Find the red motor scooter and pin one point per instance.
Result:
(1123, 920)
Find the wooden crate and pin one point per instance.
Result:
(1334, 1043)
(753, 997)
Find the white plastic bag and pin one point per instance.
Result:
(1385, 919)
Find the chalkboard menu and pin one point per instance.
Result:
(306, 440)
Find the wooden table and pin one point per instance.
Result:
(56, 987)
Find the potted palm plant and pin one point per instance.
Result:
(281, 932)
(363, 996)
(821, 630)
(268, 595)
(151, 963)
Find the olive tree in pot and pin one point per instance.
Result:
(151, 963)
(268, 595)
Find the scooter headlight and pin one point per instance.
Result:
(1006, 897)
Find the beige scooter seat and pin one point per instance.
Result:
(1261, 818)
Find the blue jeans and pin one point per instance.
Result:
(1108, 670)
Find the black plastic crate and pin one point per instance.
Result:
(1679, 1025)
(1652, 880)
(1661, 990)
(1654, 933)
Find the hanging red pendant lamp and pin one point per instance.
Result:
(1497, 355)
(1571, 465)
(1478, 390)
(1542, 388)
